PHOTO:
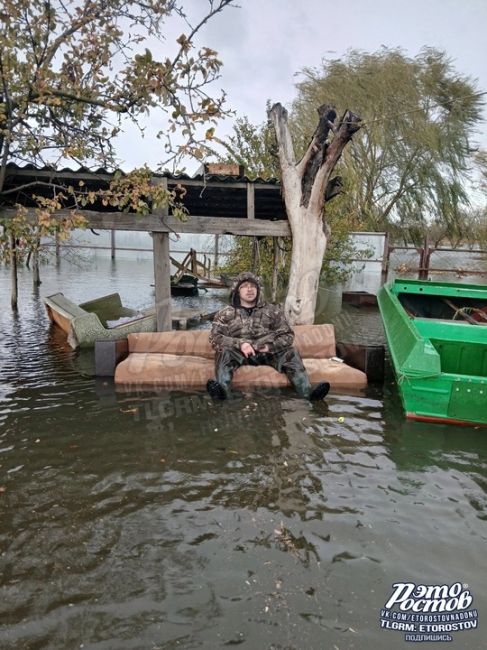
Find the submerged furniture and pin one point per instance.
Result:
(102, 319)
(437, 337)
(186, 360)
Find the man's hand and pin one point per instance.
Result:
(264, 348)
(247, 350)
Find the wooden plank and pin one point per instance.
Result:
(225, 169)
(250, 201)
(194, 224)
(162, 272)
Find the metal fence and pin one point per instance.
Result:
(385, 262)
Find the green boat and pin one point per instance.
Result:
(437, 338)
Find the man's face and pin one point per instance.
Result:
(247, 292)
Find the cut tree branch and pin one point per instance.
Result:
(327, 116)
(316, 153)
(278, 115)
(349, 124)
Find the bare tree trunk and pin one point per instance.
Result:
(306, 260)
(13, 272)
(306, 186)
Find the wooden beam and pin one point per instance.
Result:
(194, 224)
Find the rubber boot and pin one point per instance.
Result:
(319, 391)
(300, 383)
(215, 389)
(226, 362)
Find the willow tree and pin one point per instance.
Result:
(412, 159)
(306, 184)
(74, 72)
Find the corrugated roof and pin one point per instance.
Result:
(101, 171)
(206, 195)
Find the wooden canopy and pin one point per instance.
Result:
(218, 204)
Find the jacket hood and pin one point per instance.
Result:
(246, 276)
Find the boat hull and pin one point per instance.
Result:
(440, 362)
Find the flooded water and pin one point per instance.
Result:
(163, 520)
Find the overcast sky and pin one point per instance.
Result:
(265, 43)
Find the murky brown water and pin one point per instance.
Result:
(167, 521)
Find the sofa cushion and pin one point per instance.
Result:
(193, 343)
(315, 341)
(311, 341)
(176, 371)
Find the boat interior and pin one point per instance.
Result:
(461, 309)
(442, 320)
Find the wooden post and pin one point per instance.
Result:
(275, 271)
(251, 215)
(250, 201)
(162, 274)
(162, 279)
(420, 251)
(424, 260)
(58, 247)
(13, 271)
(427, 261)
(255, 254)
(217, 243)
(112, 243)
(36, 277)
(386, 255)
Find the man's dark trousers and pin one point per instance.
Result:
(286, 360)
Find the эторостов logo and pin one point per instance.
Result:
(429, 612)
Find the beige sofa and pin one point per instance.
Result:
(185, 359)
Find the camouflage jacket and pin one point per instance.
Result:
(264, 324)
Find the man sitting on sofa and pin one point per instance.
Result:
(251, 331)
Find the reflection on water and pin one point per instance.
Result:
(164, 520)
